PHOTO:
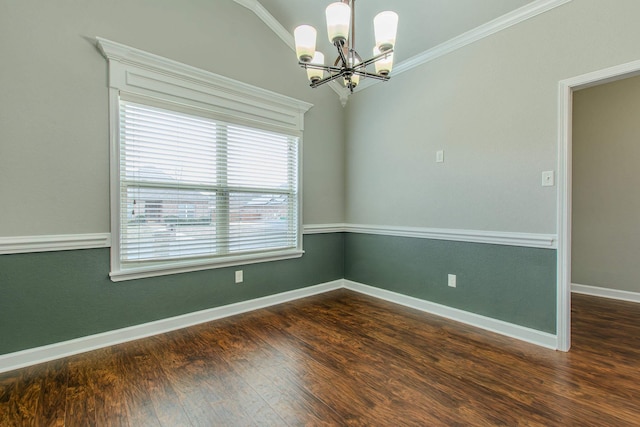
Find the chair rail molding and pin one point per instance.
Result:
(530, 240)
(48, 243)
(64, 242)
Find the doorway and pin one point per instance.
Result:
(564, 214)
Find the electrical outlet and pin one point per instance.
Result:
(239, 276)
(452, 280)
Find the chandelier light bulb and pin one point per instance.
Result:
(313, 73)
(355, 78)
(305, 37)
(385, 26)
(384, 64)
(338, 18)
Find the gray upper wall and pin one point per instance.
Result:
(606, 177)
(54, 144)
(492, 106)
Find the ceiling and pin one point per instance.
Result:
(423, 24)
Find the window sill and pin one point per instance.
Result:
(185, 267)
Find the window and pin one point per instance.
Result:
(192, 187)
(200, 178)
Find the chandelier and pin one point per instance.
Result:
(349, 64)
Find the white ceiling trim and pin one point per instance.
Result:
(505, 21)
(508, 20)
(267, 18)
(287, 38)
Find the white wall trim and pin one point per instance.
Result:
(135, 74)
(21, 359)
(531, 240)
(48, 243)
(269, 20)
(34, 356)
(503, 22)
(325, 228)
(565, 185)
(597, 291)
(522, 333)
(199, 265)
(145, 74)
(546, 241)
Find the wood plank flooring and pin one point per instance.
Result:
(342, 359)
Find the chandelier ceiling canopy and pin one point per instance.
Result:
(348, 64)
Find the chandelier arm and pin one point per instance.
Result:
(372, 60)
(327, 68)
(327, 79)
(371, 75)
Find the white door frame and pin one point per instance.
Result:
(565, 121)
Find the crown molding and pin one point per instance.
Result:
(510, 19)
(140, 73)
(256, 7)
(503, 22)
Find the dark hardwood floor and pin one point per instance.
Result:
(342, 359)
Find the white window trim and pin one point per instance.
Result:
(135, 72)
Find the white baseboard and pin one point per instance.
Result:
(498, 326)
(605, 292)
(33, 356)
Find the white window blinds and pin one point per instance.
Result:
(195, 188)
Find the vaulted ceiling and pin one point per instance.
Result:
(423, 24)
(427, 29)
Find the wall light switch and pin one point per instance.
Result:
(440, 156)
(239, 276)
(548, 179)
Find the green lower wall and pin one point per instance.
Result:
(51, 297)
(57, 296)
(513, 284)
